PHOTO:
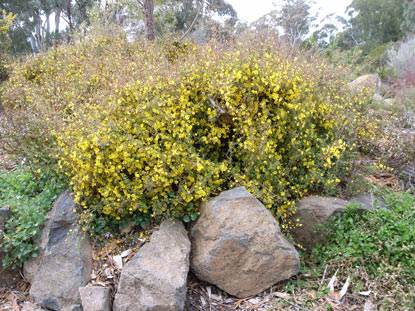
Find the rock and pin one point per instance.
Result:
(8, 276)
(368, 201)
(155, 278)
(238, 245)
(95, 298)
(371, 81)
(64, 261)
(311, 212)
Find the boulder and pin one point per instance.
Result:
(312, 212)
(64, 261)
(8, 276)
(368, 201)
(237, 245)
(95, 298)
(155, 278)
(371, 81)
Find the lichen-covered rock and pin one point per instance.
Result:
(64, 262)
(311, 212)
(371, 81)
(238, 246)
(155, 278)
(95, 298)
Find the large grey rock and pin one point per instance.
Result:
(64, 261)
(95, 298)
(8, 276)
(238, 245)
(155, 278)
(368, 201)
(312, 212)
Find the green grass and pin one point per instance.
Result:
(376, 250)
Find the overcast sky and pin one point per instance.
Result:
(251, 10)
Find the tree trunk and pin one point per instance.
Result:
(149, 19)
(69, 15)
(57, 19)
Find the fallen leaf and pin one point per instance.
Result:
(209, 291)
(367, 293)
(117, 261)
(332, 283)
(254, 300)
(344, 288)
(216, 297)
(281, 295)
(126, 253)
(102, 284)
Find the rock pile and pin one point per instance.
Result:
(235, 244)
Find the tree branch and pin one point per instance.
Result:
(221, 111)
(194, 21)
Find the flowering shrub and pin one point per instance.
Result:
(141, 136)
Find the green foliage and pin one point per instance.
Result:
(408, 24)
(375, 249)
(375, 61)
(29, 198)
(379, 241)
(339, 57)
(33, 32)
(5, 22)
(373, 23)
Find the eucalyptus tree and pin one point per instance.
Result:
(41, 22)
(373, 22)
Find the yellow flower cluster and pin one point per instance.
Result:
(140, 134)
